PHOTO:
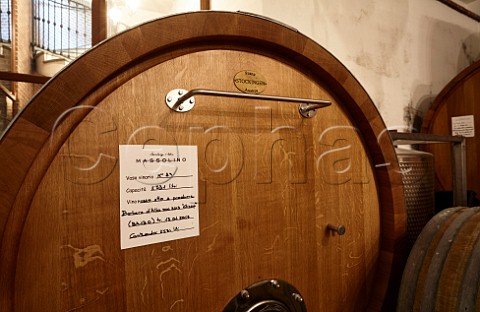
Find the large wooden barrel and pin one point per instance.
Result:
(443, 270)
(458, 100)
(267, 186)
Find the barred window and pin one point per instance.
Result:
(62, 26)
(5, 21)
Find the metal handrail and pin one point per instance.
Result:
(186, 96)
(176, 99)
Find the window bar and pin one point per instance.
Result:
(37, 24)
(43, 25)
(85, 20)
(61, 26)
(34, 15)
(48, 25)
(54, 5)
(1, 32)
(34, 25)
(9, 15)
(51, 32)
(1, 17)
(79, 24)
(76, 26)
(69, 28)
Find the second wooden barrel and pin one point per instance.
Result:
(99, 165)
(443, 269)
(455, 110)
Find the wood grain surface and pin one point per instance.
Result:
(270, 181)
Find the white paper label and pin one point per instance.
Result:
(464, 126)
(158, 193)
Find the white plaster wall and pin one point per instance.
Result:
(146, 11)
(47, 64)
(403, 52)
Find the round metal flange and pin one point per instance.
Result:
(306, 110)
(172, 98)
(267, 296)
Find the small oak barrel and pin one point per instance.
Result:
(443, 270)
(313, 199)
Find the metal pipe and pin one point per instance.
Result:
(459, 173)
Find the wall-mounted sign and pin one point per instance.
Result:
(250, 82)
(158, 193)
(464, 126)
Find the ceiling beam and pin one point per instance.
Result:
(204, 4)
(11, 76)
(99, 21)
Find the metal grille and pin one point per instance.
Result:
(5, 21)
(62, 27)
(418, 179)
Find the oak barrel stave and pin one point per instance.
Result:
(441, 273)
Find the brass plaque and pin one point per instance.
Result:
(250, 82)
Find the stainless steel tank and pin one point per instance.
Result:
(418, 178)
